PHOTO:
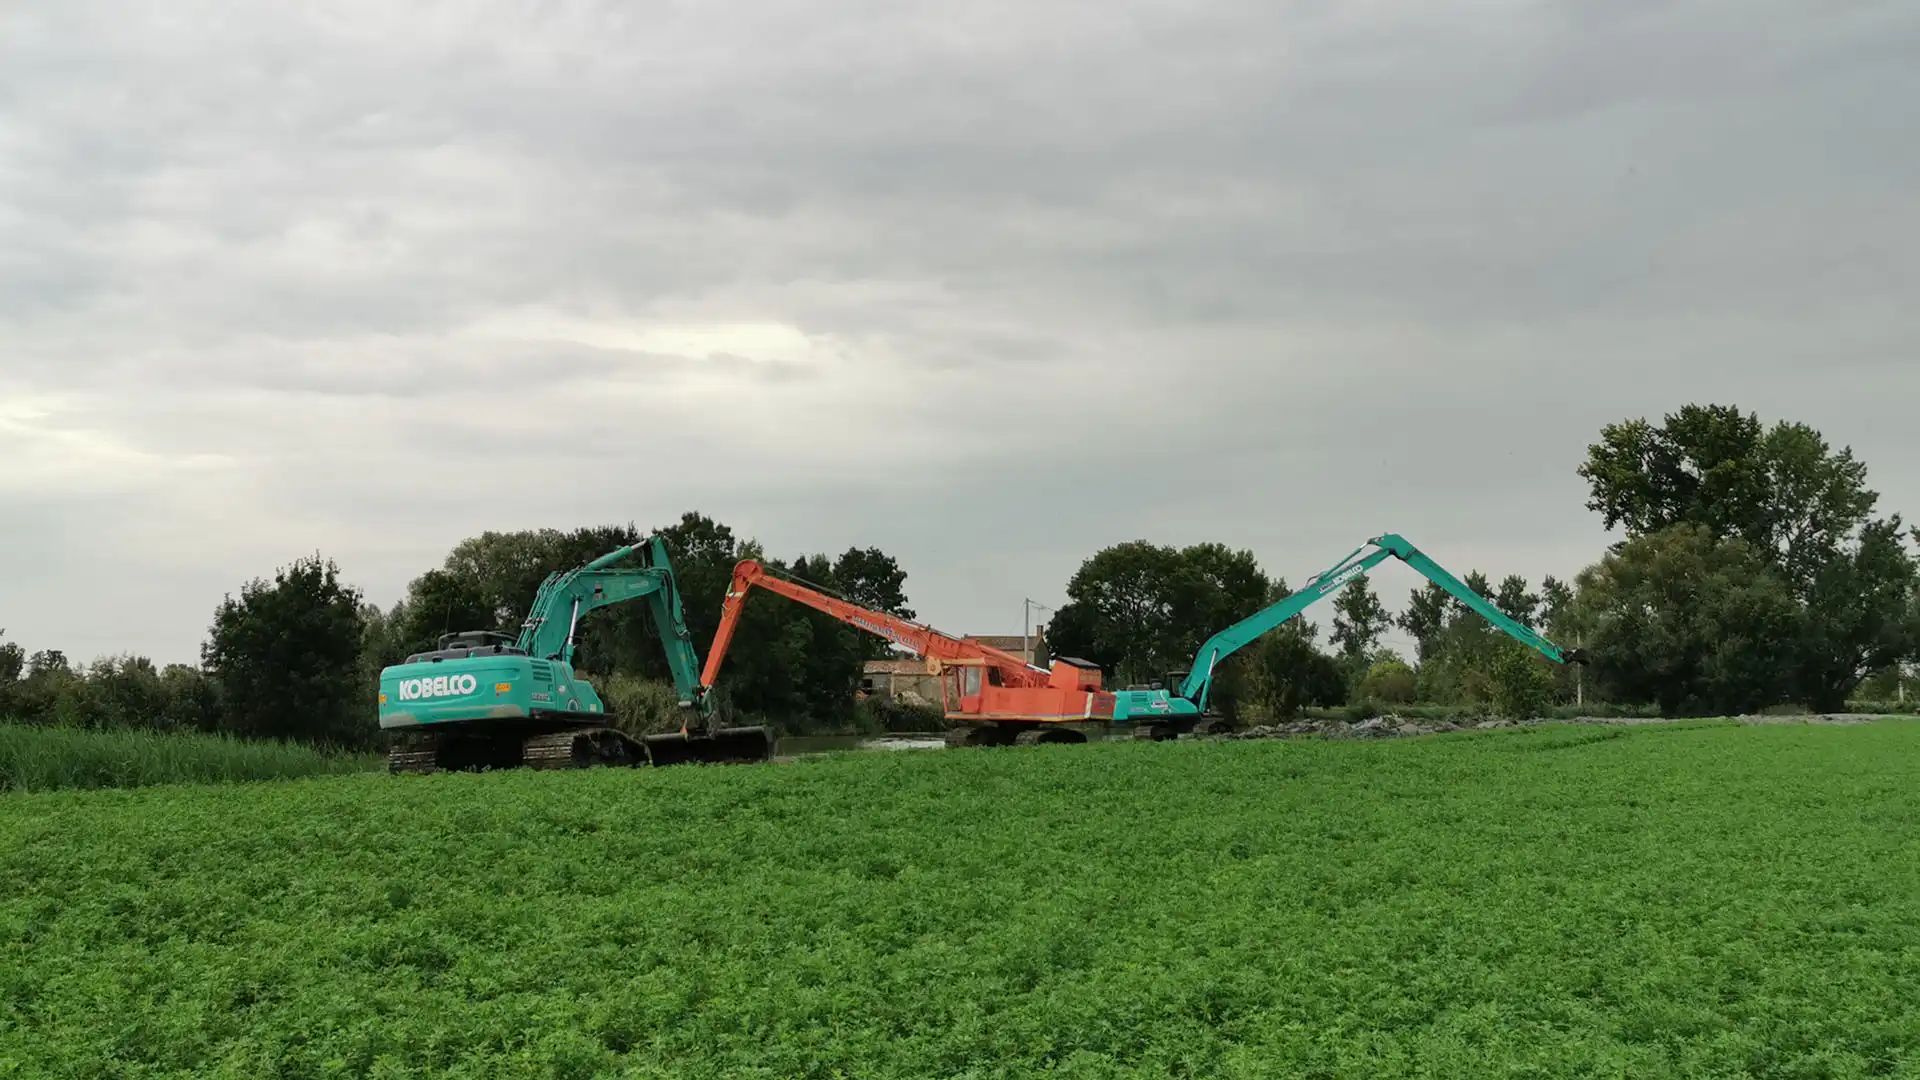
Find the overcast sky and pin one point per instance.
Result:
(987, 285)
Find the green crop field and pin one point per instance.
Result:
(1663, 901)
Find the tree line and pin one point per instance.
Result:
(1754, 570)
(298, 656)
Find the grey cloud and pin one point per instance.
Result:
(1281, 274)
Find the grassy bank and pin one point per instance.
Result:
(1694, 899)
(49, 758)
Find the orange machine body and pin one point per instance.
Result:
(978, 683)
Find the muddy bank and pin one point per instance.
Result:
(1388, 727)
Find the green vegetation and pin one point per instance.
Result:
(1754, 571)
(1683, 900)
(47, 758)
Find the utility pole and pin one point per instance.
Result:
(1580, 675)
(1026, 628)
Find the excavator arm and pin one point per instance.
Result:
(921, 639)
(1199, 680)
(566, 597)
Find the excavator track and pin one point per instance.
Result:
(419, 756)
(581, 748)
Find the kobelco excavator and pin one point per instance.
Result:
(1166, 712)
(482, 700)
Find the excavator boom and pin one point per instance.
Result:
(991, 689)
(916, 637)
(1190, 698)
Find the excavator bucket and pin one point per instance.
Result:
(722, 746)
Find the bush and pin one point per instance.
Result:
(47, 758)
(1909, 707)
(1389, 682)
(641, 706)
(1521, 683)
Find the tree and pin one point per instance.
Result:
(1358, 621)
(1859, 616)
(1457, 610)
(1425, 617)
(1287, 672)
(13, 662)
(1143, 610)
(873, 579)
(287, 657)
(1800, 507)
(1515, 602)
(1556, 597)
(48, 663)
(1522, 681)
(1389, 681)
(441, 602)
(1118, 613)
(1692, 622)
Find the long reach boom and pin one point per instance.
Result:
(987, 692)
(1189, 700)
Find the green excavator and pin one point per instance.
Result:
(482, 700)
(1167, 711)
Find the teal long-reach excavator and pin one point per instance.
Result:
(482, 700)
(1160, 713)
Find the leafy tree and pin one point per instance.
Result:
(1118, 613)
(1522, 681)
(1783, 490)
(48, 662)
(1460, 612)
(287, 656)
(873, 579)
(1425, 618)
(1287, 672)
(13, 662)
(1515, 602)
(1359, 618)
(1691, 622)
(192, 700)
(1143, 610)
(1859, 616)
(1799, 506)
(507, 568)
(439, 602)
(1214, 586)
(1389, 681)
(1556, 597)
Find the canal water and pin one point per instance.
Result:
(794, 746)
(797, 746)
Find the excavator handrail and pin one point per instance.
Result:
(1199, 679)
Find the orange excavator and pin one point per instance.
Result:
(989, 697)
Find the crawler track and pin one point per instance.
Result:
(567, 747)
(581, 749)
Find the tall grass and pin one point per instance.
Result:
(46, 758)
